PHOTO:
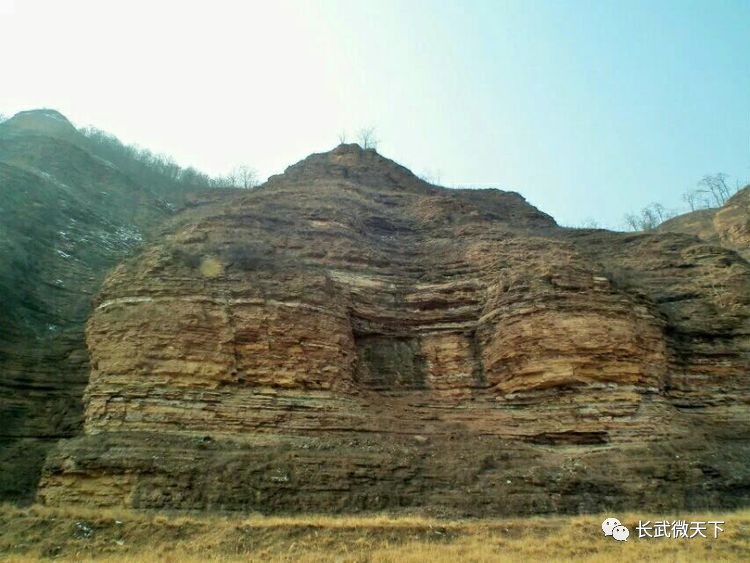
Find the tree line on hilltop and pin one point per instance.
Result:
(713, 190)
(159, 171)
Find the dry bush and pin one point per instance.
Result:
(248, 256)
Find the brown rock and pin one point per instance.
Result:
(361, 340)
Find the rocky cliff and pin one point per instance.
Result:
(348, 337)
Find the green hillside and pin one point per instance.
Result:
(72, 204)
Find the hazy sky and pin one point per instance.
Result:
(589, 109)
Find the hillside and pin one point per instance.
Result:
(728, 226)
(350, 338)
(67, 216)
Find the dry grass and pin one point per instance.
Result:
(109, 535)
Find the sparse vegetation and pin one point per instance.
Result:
(431, 177)
(713, 190)
(248, 256)
(181, 255)
(622, 277)
(366, 138)
(725, 300)
(144, 166)
(161, 172)
(649, 218)
(121, 535)
(242, 176)
(590, 223)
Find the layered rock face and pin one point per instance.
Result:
(348, 337)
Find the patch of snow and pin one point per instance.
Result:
(50, 178)
(63, 254)
(53, 115)
(105, 162)
(122, 237)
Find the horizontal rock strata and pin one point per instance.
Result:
(348, 337)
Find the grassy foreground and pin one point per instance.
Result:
(120, 535)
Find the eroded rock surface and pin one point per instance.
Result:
(348, 337)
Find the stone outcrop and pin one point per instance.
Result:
(348, 337)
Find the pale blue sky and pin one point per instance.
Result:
(589, 109)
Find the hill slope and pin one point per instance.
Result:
(66, 217)
(728, 226)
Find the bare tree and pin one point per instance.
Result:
(632, 222)
(192, 177)
(228, 181)
(659, 213)
(244, 176)
(649, 218)
(716, 188)
(342, 138)
(590, 223)
(431, 177)
(693, 198)
(712, 191)
(366, 138)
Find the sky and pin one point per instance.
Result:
(589, 109)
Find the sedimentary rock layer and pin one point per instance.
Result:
(348, 337)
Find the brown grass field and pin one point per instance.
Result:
(83, 534)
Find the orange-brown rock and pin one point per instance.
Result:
(348, 337)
